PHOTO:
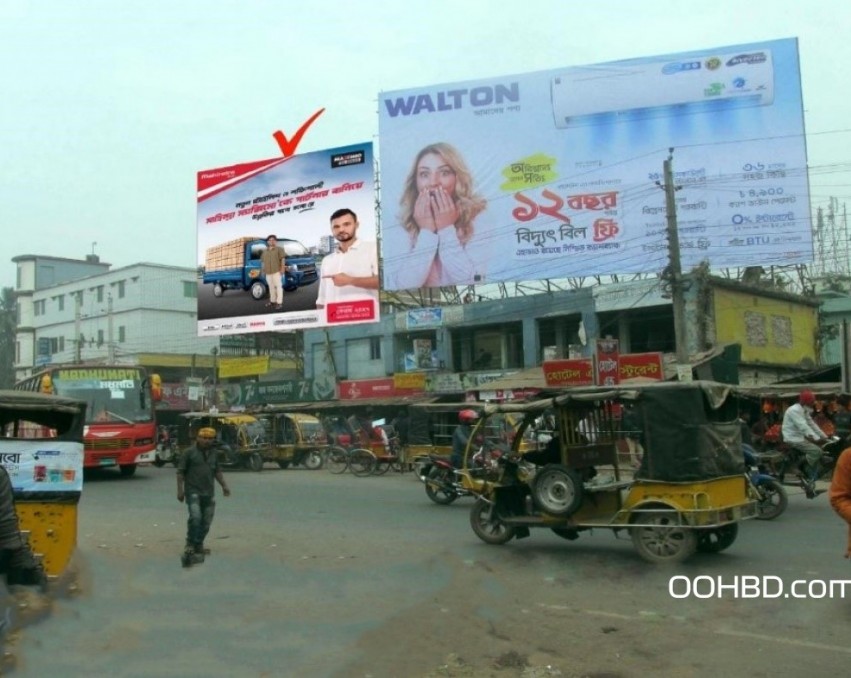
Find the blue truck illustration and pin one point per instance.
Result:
(236, 265)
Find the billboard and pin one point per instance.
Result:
(317, 271)
(557, 173)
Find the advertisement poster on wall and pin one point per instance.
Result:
(572, 188)
(320, 207)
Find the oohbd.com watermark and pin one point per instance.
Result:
(752, 586)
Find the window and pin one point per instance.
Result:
(60, 302)
(190, 290)
(120, 289)
(99, 290)
(39, 307)
(375, 348)
(100, 337)
(122, 334)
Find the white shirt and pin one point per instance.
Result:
(797, 424)
(361, 261)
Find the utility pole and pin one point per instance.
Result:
(78, 349)
(676, 271)
(110, 345)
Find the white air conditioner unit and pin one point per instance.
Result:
(604, 94)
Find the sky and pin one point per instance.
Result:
(109, 109)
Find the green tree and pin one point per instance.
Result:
(7, 337)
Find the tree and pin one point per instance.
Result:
(8, 309)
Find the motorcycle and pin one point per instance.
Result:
(771, 496)
(789, 460)
(444, 483)
(166, 452)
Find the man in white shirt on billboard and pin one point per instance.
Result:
(350, 274)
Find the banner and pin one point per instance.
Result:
(606, 362)
(571, 186)
(374, 388)
(43, 465)
(576, 372)
(641, 365)
(293, 199)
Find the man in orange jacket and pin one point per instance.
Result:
(840, 492)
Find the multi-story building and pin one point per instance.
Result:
(73, 311)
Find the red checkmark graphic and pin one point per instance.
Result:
(288, 146)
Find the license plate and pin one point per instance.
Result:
(107, 462)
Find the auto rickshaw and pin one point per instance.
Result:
(241, 438)
(685, 492)
(41, 447)
(294, 439)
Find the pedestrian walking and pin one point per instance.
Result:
(197, 470)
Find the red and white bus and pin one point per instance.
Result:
(120, 426)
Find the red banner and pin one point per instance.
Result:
(608, 353)
(577, 372)
(645, 365)
(362, 389)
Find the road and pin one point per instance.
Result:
(314, 574)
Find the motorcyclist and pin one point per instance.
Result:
(802, 434)
(461, 436)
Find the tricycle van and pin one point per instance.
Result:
(241, 438)
(293, 439)
(661, 462)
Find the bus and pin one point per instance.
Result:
(120, 426)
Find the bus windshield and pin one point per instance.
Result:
(112, 395)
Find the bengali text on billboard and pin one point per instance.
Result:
(320, 206)
(558, 173)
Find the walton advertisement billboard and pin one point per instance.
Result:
(320, 208)
(558, 173)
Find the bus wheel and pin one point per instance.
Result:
(127, 470)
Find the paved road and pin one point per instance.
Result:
(321, 575)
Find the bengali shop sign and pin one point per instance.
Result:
(570, 190)
(580, 372)
(362, 389)
(575, 372)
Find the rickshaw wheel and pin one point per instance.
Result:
(254, 461)
(716, 539)
(487, 525)
(362, 462)
(438, 485)
(313, 460)
(336, 459)
(284, 463)
(663, 538)
(557, 490)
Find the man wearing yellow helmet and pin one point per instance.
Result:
(197, 469)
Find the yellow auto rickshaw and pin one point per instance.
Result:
(293, 439)
(679, 487)
(241, 438)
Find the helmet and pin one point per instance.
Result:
(467, 416)
(807, 397)
(206, 433)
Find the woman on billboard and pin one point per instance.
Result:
(439, 209)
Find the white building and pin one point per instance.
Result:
(73, 310)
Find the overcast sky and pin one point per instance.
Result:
(110, 108)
